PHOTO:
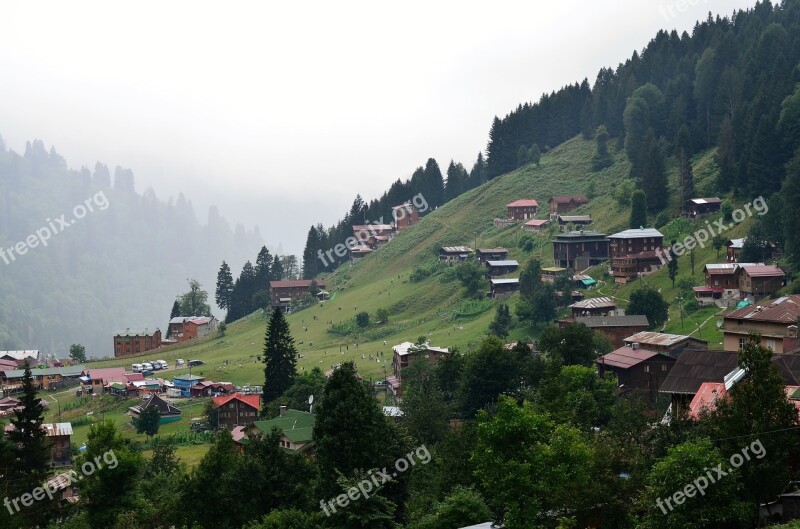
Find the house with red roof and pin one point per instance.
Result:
(536, 225)
(776, 322)
(524, 209)
(236, 410)
(638, 371)
(99, 379)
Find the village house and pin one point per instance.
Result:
(522, 209)
(690, 371)
(169, 413)
(33, 357)
(183, 328)
(574, 221)
(99, 379)
(130, 342)
(59, 436)
(633, 253)
(184, 383)
(639, 372)
(501, 268)
(406, 354)
(503, 287)
(775, 321)
(579, 250)
(695, 207)
(8, 405)
(284, 293)
(50, 378)
(594, 307)
(536, 225)
(207, 388)
(373, 235)
(491, 254)
(560, 204)
(670, 344)
(405, 216)
(359, 252)
(617, 328)
(758, 281)
(722, 281)
(236, 410)
(454, 254)
(296, 428)
(734, 247)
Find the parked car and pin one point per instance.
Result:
(147, 366)
(156, 366)
(195, 363)
(147, 373)
(137, 368)
(162, 363)
(180, 362)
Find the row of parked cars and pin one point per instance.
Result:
(149, 367)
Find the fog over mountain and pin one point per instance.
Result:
(83, 254)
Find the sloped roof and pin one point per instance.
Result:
(763, 271)
(709, 200)
(695, 366)
(406, 348)
(296, 283)
(524, 203)
(602, 302)
(493, 250)
(507, 281)
(21, 355)
(593, 322)
(297, 426)
(507, 262)
(537, 222)
(108, 374)
(706, 398)
(627, 357)
(57, 429)
(163, 406)
(566, 199)
(782, 310)
(736, 243)
(659, 338)
(254, 401)
(636, 233)
(575, 218)
(456, 249)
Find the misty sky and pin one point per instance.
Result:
(280, 112)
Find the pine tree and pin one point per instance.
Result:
(263, 264)
(280, 358)
(30, 440)
(176, 310)
(224, 290)
(638, 218)
(726, 156)
(276, 271)
(685, 166)
(477, 175)
(311, 262)
(654, 175)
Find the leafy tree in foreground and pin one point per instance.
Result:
(574, 344)
(461, 508)
(649, 302)
(280, 357)
(719, 506)
(149, 421)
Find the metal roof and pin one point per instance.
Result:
(507, 262)
(406, 348)
(594, 303)
(634, 320)
(636, 233)
(566, 199)
(763, 271)
(493, 250)
(128, 332)
(658, 338)
(57, 429)
(626, 357)
(69, 371)
(509, 281)
(736, 243)
(296, 283)
(782, 310)
(575, 218)
(709, 200)
(695, 366)
(456, 249)
(21, 355)
(537, 222)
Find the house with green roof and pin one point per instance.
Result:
(296, 427)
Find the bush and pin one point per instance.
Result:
(382, 315)
(362, 319)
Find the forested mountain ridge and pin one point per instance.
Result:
(116, 267)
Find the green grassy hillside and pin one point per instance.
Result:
(430, 307)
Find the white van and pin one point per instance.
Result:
(147, 366)
(164, 364)
(137, 368)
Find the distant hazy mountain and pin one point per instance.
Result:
(82, 254)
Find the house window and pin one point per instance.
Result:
(646, 369)
(663, 367)
(742, 342)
